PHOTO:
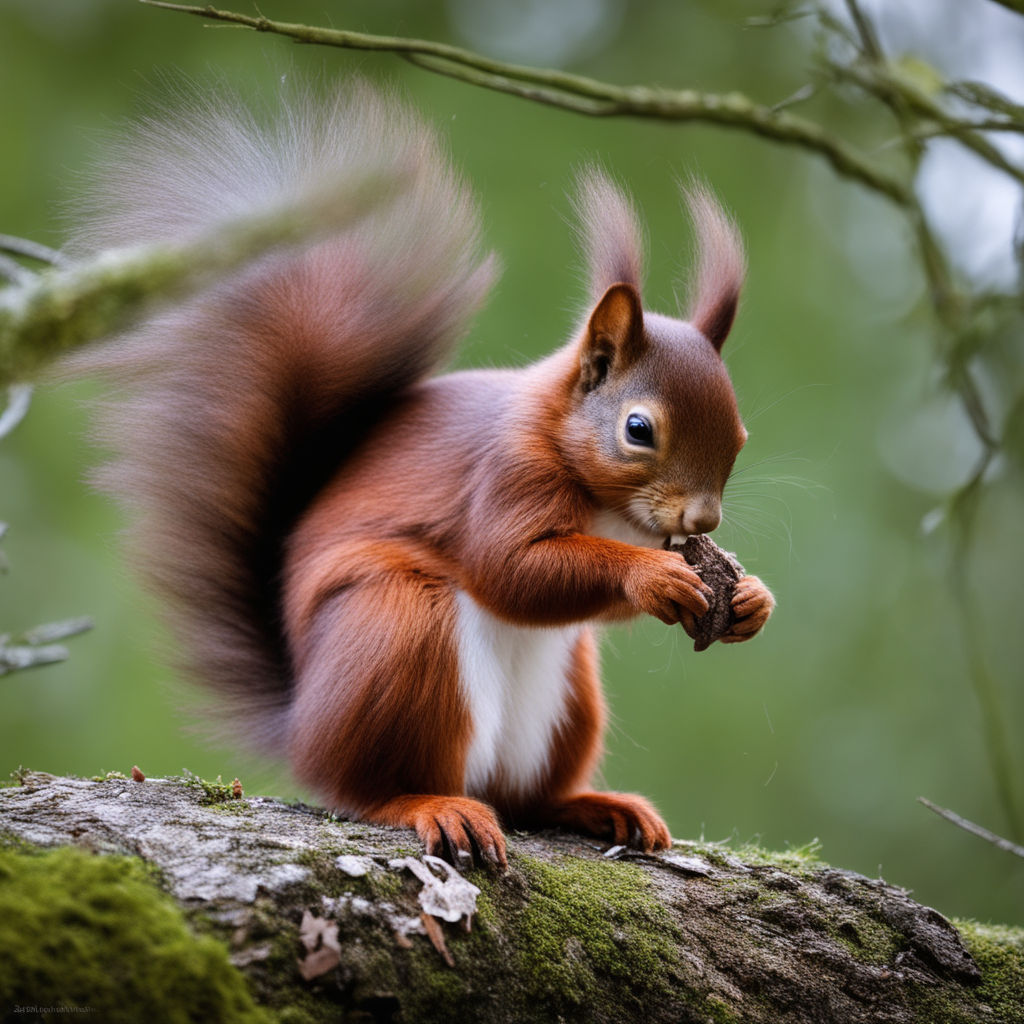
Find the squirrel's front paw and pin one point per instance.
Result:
(752, 604)
(667, 588)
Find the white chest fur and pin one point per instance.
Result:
(514, 679)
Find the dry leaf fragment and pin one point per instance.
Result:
(689, 865)
(449, 898)
(436, 935)
(320, 937)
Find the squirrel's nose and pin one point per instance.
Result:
(701, 515)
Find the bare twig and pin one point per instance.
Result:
(1011, 5)
(16, 658)
(979, 94)
(589, 96)
(18, 398)
(54, 631)
(883, 81)
(13, 271)
(969, 826)
(33, 250)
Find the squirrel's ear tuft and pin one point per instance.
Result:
(609, 232)
(614, 339)
(720, 266)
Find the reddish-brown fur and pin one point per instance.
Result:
(316, 505)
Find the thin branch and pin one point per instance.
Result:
(54, 631)
(18, 657)
(1011, 5)
(61, 309)
(969, 826)
(980, 94)
(13, 271)
(33, 250)
(935, 131)
(891, 87)
(587, 95)
(18, 398)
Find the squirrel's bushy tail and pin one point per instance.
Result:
(232, 407)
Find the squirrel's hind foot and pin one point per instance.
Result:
(624, 818)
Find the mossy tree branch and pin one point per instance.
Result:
(315, 918)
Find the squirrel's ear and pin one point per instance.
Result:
(614, 337)
(610, 234)
(720, 266)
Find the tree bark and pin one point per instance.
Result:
(330, 920)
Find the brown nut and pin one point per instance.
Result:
(721, 572)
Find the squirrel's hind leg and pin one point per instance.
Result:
(378, 724)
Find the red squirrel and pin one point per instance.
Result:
(392, 575)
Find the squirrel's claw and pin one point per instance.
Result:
(463, 832)
(689, 623)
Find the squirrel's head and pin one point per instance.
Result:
(653, 426)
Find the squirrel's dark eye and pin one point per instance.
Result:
(639, 430)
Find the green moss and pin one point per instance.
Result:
(868, 940)
(798, 860)
(999, 954)
(571, 940)
(78, 930)
(234, 806)
(719, 1012)
(589, 923)
(216, 792)
(327, 879)
(296, 1015)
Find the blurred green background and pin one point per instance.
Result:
(857, 699)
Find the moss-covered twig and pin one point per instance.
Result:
(66, 307)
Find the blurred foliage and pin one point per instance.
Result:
(859, 698)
